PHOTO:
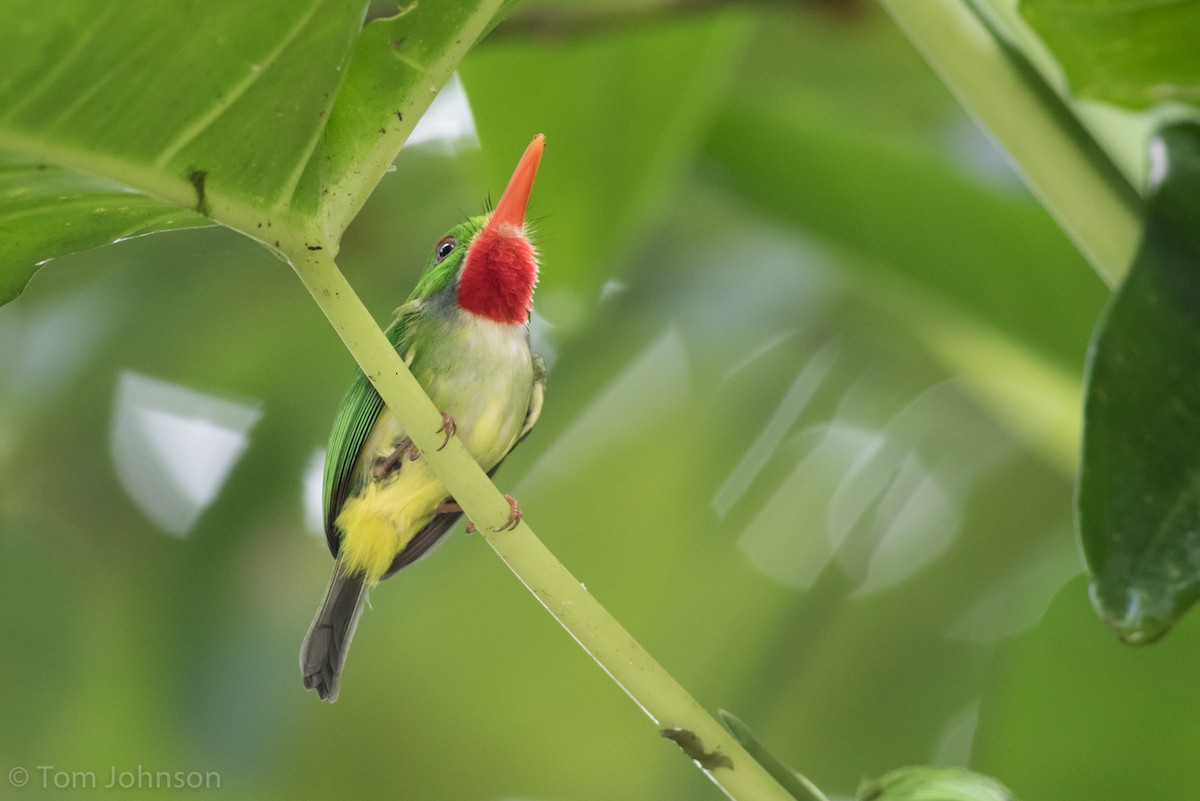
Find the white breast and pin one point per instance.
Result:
(481, 372)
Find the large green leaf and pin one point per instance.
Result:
(1139, 487)
(1134, 53)
(275, 118)
(157, 94)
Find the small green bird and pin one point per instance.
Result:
(464, 333)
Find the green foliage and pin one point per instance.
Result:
(1137, 499)
(222, 98)
(809, 433)
(1139, 489)
(1134, 54)
(276, 120)
(398, 65)
(47, 210)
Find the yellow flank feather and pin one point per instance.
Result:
(377, 524)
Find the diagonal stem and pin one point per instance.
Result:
(671, 708)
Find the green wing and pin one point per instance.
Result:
(356, 416)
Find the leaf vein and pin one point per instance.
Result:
(205, 120)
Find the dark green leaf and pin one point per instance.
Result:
(1134, 53)
(1139, 488)
(800, 788)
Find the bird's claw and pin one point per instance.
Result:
(449, 427)
(514, 515)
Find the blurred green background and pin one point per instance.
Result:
(809, 435)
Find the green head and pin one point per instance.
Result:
(487, 262)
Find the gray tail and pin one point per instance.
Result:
(328, 640)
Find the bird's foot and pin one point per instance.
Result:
(391, 463)
(449, 427)
(514, 516)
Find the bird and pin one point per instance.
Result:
(464, 334)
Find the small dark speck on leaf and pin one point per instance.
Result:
(197, 178)
(399, 116)
(691, 745)
(276, 243)
(397, 43)
(314, 247)
(383, 130)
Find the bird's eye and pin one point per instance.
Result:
(445, 247)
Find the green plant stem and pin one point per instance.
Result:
(1061, 163)
(667, 703)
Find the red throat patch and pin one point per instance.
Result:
(498, 277)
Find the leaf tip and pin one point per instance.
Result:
(1132, 615)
